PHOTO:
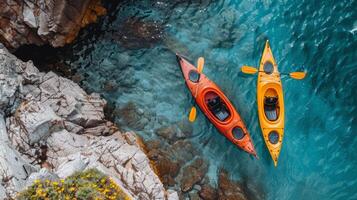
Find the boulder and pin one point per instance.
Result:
(193, 174)
(208, 192)
(53, 22)
(132, 116)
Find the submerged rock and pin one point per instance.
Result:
(132, 116)
(166, 167)
(193, 174)
(135, 33)
(60, 128)
(175, 132)
(228, 189)
(208, 192)
(53, 22)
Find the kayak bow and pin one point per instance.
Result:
(270, 103)
(216, 106)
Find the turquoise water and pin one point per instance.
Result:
(318, 158)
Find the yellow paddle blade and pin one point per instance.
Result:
(297, 75)
(249, 70)
(200, 63)
(192, 115)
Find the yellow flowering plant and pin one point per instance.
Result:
(87, 185)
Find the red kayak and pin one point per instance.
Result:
(216, 106)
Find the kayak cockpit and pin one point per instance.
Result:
(238, 133)
(273, 137)
(194, 76)
(271, 105)
(216, 106)
(268, 67)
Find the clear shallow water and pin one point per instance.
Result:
(318, 158)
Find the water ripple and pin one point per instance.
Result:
(318, 158)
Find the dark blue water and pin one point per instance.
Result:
(318, 157)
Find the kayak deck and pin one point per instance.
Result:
(270, 102)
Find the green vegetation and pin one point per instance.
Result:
(87, 185)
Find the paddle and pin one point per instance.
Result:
(253, 70)
(193, 112)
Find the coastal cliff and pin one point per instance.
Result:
(50, 128)
(53, 22)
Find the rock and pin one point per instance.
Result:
(166, 166)
(72, 163)
(68, 100)
(193, 174)
(167, 132)
(43, 174)
(53, 22)
(2, 192)
(110, 86)
(175, 132)
(183, 151)
(37, 122)
(9, 81)
(194, 195)
(172, 195)
(58, 126)
(132, 116)
(208, 193)
(185, 129)
(197, 187)
(107, 128)
(167, 169)
(228, 189)
(14, 169)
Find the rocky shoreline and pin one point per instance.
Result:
(51, 128)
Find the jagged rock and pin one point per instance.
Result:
(228, 189)
(59, 126)
(14, 169)
(106, 128)
(37, 121)
(193, 174)
(9, 81)
(53, 22)
(68, 100)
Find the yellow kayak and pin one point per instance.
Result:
(270, 103)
